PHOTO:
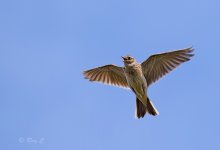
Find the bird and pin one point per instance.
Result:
(139, 76)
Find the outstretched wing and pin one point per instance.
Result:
(158, 65)
(109, 74)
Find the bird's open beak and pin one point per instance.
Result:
(123, 57)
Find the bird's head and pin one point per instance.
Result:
(128, 59)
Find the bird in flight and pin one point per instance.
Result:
(138, 77)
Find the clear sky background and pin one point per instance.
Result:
(46, 44)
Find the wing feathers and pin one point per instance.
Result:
(158, 65)
(109, 74)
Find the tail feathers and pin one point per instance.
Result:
(141, 109)
(151, 109)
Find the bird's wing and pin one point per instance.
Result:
(109, 74)
(158, 65)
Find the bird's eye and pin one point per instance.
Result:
(129, 57)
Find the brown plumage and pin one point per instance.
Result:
(138, 77)
(109, 74)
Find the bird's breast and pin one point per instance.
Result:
(135, 77)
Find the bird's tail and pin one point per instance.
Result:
(141, 109)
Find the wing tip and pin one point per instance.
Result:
(189, 52)
(85, 74)
(190, 49)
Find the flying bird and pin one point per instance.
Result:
(138, 77)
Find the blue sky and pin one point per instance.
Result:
(45, 45)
